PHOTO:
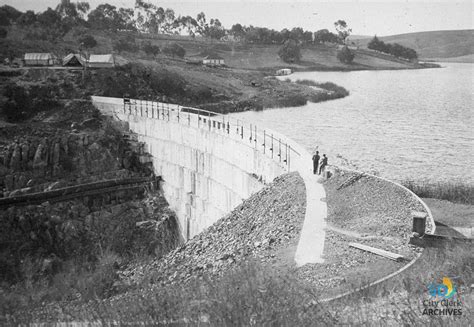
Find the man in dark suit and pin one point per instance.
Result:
(316, 162)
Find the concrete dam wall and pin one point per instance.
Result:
(209, 163)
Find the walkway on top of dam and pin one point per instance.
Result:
(288, 154)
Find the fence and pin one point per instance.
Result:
(257, 138)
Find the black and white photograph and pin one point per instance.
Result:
(236, 163)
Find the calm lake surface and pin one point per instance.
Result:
(406, 124)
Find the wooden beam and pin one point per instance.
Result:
(383, 253)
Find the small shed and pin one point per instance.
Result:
(39, 59)
(284, 71)
(213, 60)
(74, 60)
(101, 61)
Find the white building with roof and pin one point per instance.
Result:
(101, 61)
(40, 59)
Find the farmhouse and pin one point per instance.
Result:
(284, 71)
(213, 60)
(101, 61)
(40, 59)
(74, 60)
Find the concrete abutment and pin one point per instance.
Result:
(207, 171)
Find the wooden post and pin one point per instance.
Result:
(255, 136)
(419, 222)
(279, 149)
(272, 146)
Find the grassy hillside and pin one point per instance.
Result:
(236, 55)
(434, 44)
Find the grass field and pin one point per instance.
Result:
(433, 44)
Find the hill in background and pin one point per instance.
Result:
(433, 44)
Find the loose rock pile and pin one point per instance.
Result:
(265, 223)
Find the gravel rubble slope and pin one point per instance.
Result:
(262, 225)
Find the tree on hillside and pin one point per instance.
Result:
(324, 35)
(49, 18)
(343, 30)
(149, 48)
(394, 49)
(297, 33)
(174, 50)
(126, 43)
(237, 31)
(73, 10)
(345, 55)
(189, 23)
(8, 15)
(215, 30)
(125, 19)
(88, 41)
(374, 44)
(168, 20)
(26, 19)
(201, 23)
(71, 13)
(290, 51)
(103, 17)
(3, 33)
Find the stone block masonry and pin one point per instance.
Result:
(210, 163)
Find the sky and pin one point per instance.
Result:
(364, 17)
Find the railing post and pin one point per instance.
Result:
(189, 119)
(264, 137)
(250, 138)
(279, 149)
(289, 155)
(255, 136)
(199, 119)
(242, 131)
(209, 119)
(272, 146)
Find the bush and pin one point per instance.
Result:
(451, 191)
(174, 50)
(345, 55)
(3, 33)
(137, 81)
(334, 91)
(150, 49)
(290, 51)
(126, 43)
(88, 41)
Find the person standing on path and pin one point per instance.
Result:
(316, 158)
(324, 163)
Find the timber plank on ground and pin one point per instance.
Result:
(383, 253)
(81, 190)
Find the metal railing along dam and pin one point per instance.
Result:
(209, 162)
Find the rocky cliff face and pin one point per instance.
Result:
(75, 147)
(34, 163)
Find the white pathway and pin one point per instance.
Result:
(311, 244)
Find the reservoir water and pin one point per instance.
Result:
(403, 124)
